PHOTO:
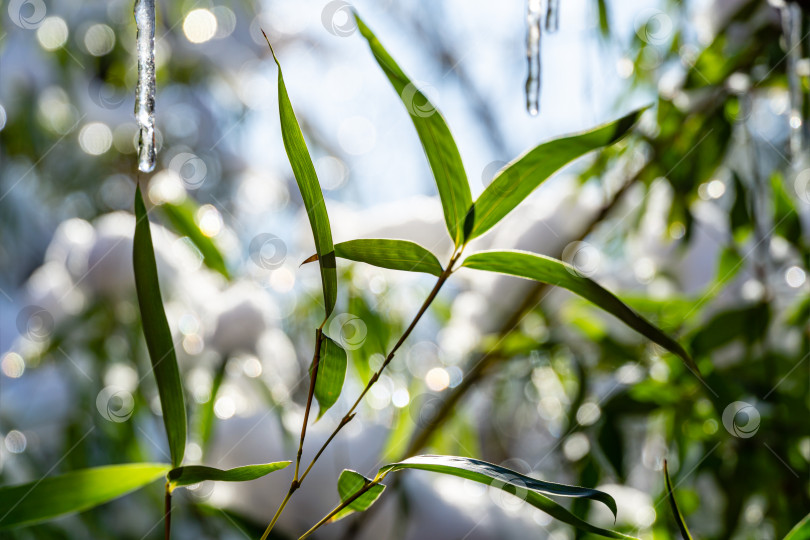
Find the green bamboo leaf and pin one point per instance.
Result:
(554, 272)
(181, 218)
(386, 253)
(801, 531)
(194, 474)
(531, 490)
(157, 333)
(435, 136)
(349, 483)
(522, 176)
(310, 188)
(331, 373)
(674, 505)
(72, 492)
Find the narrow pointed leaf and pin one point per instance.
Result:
(311, 193)
(387, 253)
(157, 333)
(349, 483)
(435, 136)
(331, 374)
(531, 490)
(72, 492)
(181, 218)
(801, 531)
(194, 474)
(554, 272)
(522, 176)
(674, 505)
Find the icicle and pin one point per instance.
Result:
(145, 93)
(533, 57)
(792, 28)
(552, 16)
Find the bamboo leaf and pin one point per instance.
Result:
(157, 333)
(387, 253)
(437, 141)
(310, 188)
(331, 373)
(349, 483)
(72, 492)
(533, 491)
(194, 474)
(801, 531)
(522, 176)
(181, 217)
(674, 505)
(554, 272)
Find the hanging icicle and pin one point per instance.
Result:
(145, 93)
(552, 16)
(792, 29)
(533, 57)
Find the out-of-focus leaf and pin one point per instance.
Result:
(71, 492)
(786, 219)
(728, 265)
(674, 505)
(207, 416)
(518, 179)
(194, 474)
(531, 490)
(157, 333)
(801, 531)
(310, 188)
(435, 136)
(349, 483)
(740, 215)
(181, 217)
(747, 323)
(387, 253)
(331, 373)
(554, 272)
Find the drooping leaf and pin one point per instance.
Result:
(522, 176)
(387, 253)
(531, 490)
(71, 492)
(554, 272)
(349, 483)
(801, 531)
(181, 217)
(310, 188)
(157, 333)
(331, 374)
(674, 505)
(435, 136)
(194, 474)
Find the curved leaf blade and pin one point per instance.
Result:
(518, 179)
(547, 270)
(157, 333)
(437, 141)
(674, 505)
(349, 483)
(388, 253)
(72, 492)
(533, 491)
(194, 474)
(801, 531)
(181, 218)
(331, 374)
(307, 179)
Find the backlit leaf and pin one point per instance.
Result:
(349, 483)
(674, 505)
(194, 474)
(181, 217)
(157, 333)
(331, 374)
(72, 492)
(387, 253)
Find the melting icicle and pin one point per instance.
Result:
(145, 93)
(552, 16)
(792, 28)
(533, 57)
